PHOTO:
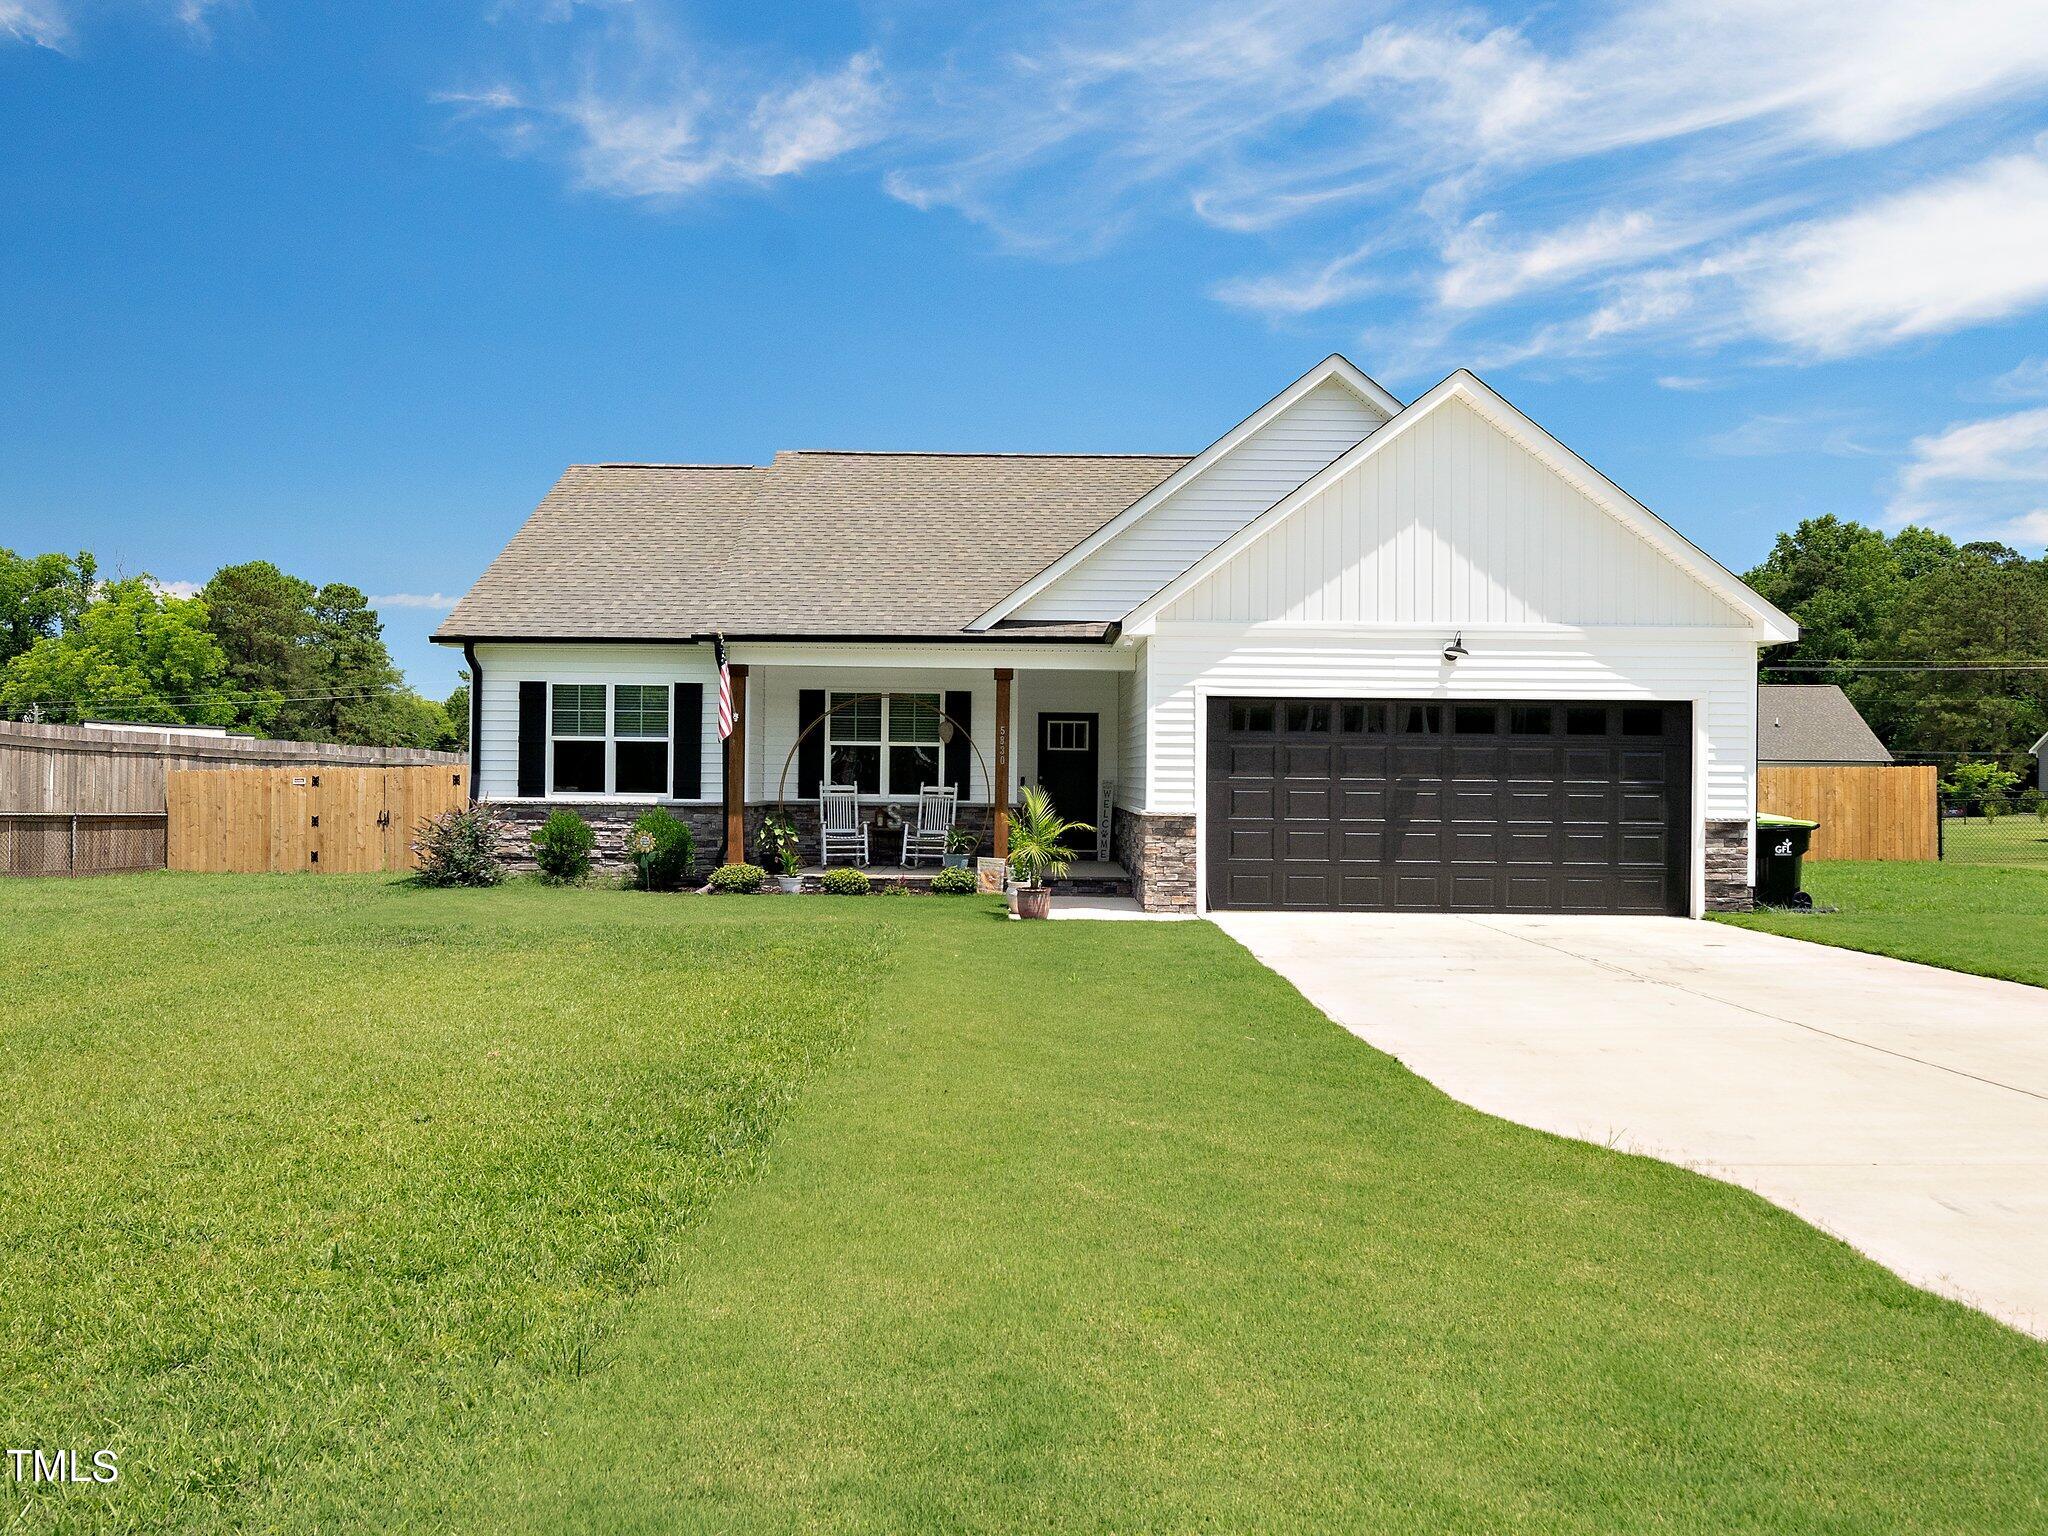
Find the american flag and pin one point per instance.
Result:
(724, 689)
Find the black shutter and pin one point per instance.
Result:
(960, 752)
(810, 754)
(688, 767)
(533, 740)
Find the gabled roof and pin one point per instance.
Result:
(1770, 624)
(816, 543)
(1812, 723)
(1334, 368)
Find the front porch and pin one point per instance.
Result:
(806, 721)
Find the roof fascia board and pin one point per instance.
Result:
(1335, 366)
(1769, 625)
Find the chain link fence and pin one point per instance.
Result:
(95, 843)
(2007, 829)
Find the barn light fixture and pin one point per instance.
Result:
(1455, 651)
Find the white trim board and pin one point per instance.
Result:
(1769, 625)
(1335, 367)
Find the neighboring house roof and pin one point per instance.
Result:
(1771, 625)
(816, 543)
(1812, 723)
(2040, 746)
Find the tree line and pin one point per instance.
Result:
(1943, 647)
(255, 650)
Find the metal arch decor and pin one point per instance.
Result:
(848, 701)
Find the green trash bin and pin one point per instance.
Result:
(1781, 843)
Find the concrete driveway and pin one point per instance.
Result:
(1902, 1108)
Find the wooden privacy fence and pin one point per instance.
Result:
(1865, 812)
(335, 820)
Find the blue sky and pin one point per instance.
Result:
(344, 286)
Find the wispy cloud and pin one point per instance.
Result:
(39, 22)
(1567, 186)
(53, 23)
(1765, 434)
(1986, 478)
(642, 113)
(413, 600)
(178, 588)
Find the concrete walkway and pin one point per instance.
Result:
(1900, 1107)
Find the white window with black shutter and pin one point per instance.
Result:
(609, 739)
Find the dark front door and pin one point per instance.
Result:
(1068, 747)
(1385, 805)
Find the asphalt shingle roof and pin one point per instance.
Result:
(816, 543)
(1812, 723)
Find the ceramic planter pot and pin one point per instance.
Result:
(1034, 901)
(790, 884)
(956, 861)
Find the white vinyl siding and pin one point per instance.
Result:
(1452, 523)
(1715, 669)
(507, 664)
(1240, 485)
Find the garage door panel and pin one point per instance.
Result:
(1254, 845)
(1477, 806)
(1305, 802)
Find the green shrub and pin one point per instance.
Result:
(561, 847)
(845, 882)
(663, 850)
(953, 882)
(737, 879)
(459, 848)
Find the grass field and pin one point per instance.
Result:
(2016, 840)
(1985, 918)
(339, 1206)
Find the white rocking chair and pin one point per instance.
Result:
(840, 829)
(925, 838)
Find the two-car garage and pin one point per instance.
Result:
(1508, 805)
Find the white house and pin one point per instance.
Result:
(1353, 654)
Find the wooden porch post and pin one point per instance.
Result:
(736, 771)
(1002, 784)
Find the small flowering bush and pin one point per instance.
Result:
(459, 848)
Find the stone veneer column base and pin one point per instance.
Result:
(611, 820)
(1159, 851)
(1728, 887)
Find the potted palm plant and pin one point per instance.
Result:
(782, 850)
(960, 846)
(1038, 850)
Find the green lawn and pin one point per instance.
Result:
(341, 1206)
(1968, 917)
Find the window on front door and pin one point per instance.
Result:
(885, 744)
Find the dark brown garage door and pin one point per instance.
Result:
(1386, 805)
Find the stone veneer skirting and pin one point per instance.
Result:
(1159, 852)
(1727, 848)
(611, 820)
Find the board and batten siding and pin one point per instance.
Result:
(1134, 701)
(507, 664)
(1452, 523)
(1244, 482)
(1714, 669)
